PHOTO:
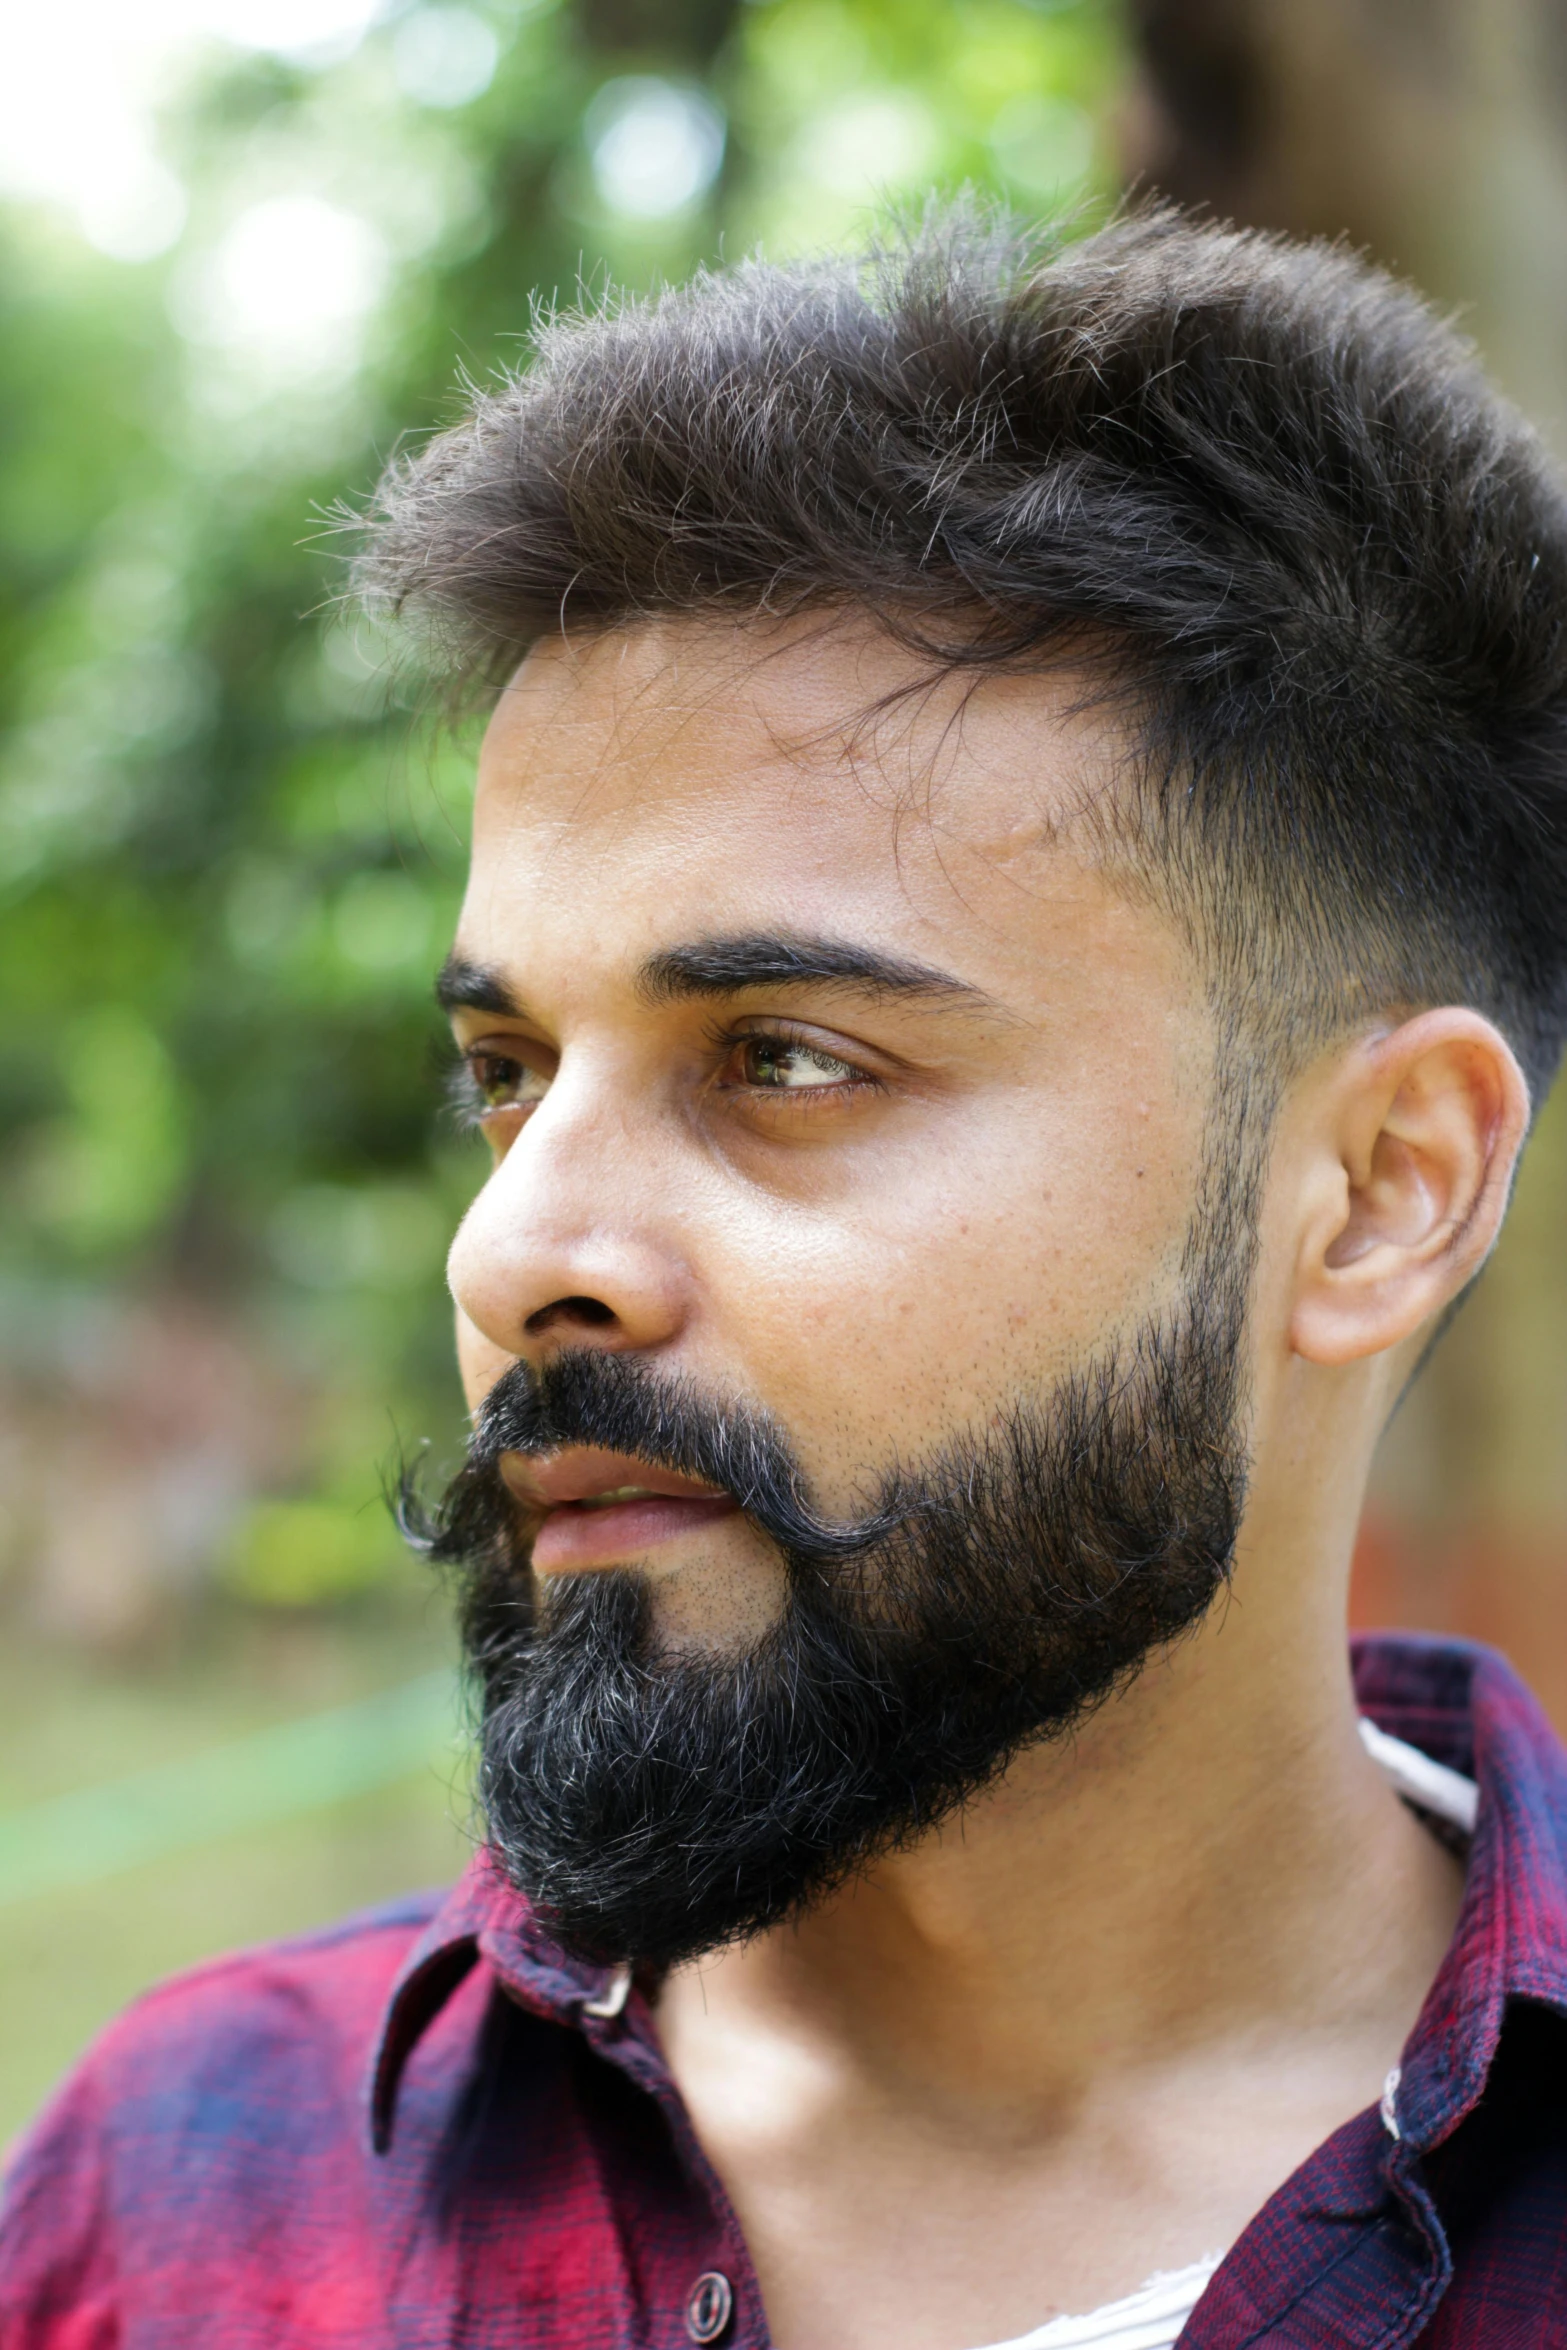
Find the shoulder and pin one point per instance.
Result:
(264, 2023)
(222, 2089)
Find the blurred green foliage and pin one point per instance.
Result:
(229, 858)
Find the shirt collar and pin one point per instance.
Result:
(481, 1918)
(1466, 1707)
(1459, 1703)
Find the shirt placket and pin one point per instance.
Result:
(720, 2302)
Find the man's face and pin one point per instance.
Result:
(854, 1316)
(876, 1206)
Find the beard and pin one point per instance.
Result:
(652, 1806)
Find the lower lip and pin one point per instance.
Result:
(572, 1537)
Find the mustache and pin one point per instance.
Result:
(589, 1396)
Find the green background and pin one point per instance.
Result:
(230, 856)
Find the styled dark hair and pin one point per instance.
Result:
(1316, 562)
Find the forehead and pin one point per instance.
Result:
(672, 780)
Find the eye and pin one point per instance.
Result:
(782, 1064)
(489, 1084)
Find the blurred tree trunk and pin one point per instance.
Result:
(1432, 133)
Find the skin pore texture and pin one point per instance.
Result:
(1082, 2032)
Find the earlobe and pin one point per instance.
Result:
(1419, 1133)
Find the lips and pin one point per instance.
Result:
(592, 1508)
(612, 1499)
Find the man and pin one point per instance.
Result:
(1018, 912)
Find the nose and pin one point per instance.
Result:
(572, 1241)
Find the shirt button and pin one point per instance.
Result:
(709, 2306)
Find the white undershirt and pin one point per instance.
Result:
(1148, 2319)
(1153, 2316)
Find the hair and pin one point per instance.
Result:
(1265, 496)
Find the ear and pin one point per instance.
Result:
(1412, 1165)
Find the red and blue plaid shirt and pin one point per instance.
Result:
(426, 2127)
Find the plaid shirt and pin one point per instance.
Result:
(528, 2176)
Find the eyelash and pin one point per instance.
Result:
(471, 1112)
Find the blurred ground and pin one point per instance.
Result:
(71, 1954)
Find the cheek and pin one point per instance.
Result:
(951, 1277)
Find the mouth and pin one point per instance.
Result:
(598, 1509)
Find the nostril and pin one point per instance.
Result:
(591, 1311)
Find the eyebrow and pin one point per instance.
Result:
(713, 967)
(728, 966)
(474, 987)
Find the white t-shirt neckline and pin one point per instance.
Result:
(1149, 2319)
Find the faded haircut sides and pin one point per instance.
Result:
(1256, 488)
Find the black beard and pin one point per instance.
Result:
(654, 1806)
